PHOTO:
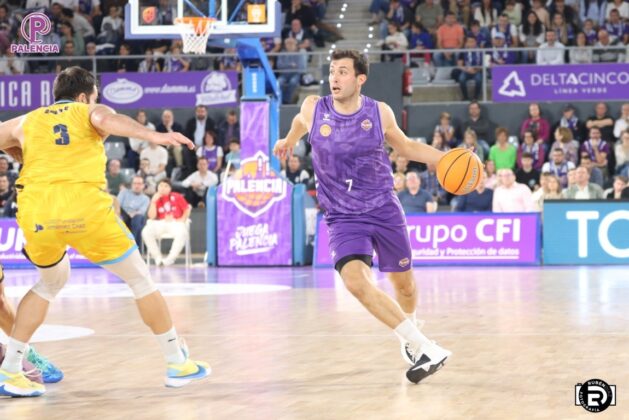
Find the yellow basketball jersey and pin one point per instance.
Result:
(62, 147)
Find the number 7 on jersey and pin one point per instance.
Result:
(349, 183)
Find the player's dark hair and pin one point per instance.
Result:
(361, 64)
(71, 82)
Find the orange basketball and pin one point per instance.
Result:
(149, 14)
(459, 171)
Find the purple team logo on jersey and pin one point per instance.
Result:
(366, 125)
(33, 28)
(254, 188)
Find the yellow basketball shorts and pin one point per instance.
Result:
(81, 216)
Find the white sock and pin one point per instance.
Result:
(408, 331)
(169, 342)
(16, 350)
(411, 316)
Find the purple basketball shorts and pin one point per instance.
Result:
(382, 230)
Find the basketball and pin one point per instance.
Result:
(459, 171)
(149, 14)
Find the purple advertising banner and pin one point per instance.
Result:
(254, 204)
(254, 128)
(177, 90)
(462, 238)
(254, 207)
(12, 242)
(575, 82)
(25, 92)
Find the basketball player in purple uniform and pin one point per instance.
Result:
(355, 190)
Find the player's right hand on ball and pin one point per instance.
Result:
(281, 149)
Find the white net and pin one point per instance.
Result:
(195, 33)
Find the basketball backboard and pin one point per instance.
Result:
(146, 19)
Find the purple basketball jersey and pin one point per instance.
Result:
(211, 155)
(351, 165)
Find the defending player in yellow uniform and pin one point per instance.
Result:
(62, 202)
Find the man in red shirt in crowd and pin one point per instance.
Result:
(168, 215)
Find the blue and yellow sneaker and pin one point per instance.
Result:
(178, 375)
(182, 374)
(18, 385)
(50, 373)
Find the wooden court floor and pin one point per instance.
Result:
(293, 344)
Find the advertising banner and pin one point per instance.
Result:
(12, 242)
(176, 90)
(26, 92)
(253, 126)
(461, 238)
(586, 232)
(254, 207)
(254, 204)
(580, 82)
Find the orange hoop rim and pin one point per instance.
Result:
(194, 20)
(200, 25)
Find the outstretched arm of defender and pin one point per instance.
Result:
(412, 150)
(300, 126)
(107, 122)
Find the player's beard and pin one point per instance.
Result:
(350, 96)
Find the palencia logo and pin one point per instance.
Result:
(254, 187)
(123, 91)
(34, 27)
(595, 395)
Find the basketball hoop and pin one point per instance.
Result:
(195, 32)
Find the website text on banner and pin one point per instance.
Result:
(12, 242)
(26, 92)
(586, 232)
(575, 82)
(145, 90)
(461, 238)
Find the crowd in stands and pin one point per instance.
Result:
(598, 30)
(571, 158)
